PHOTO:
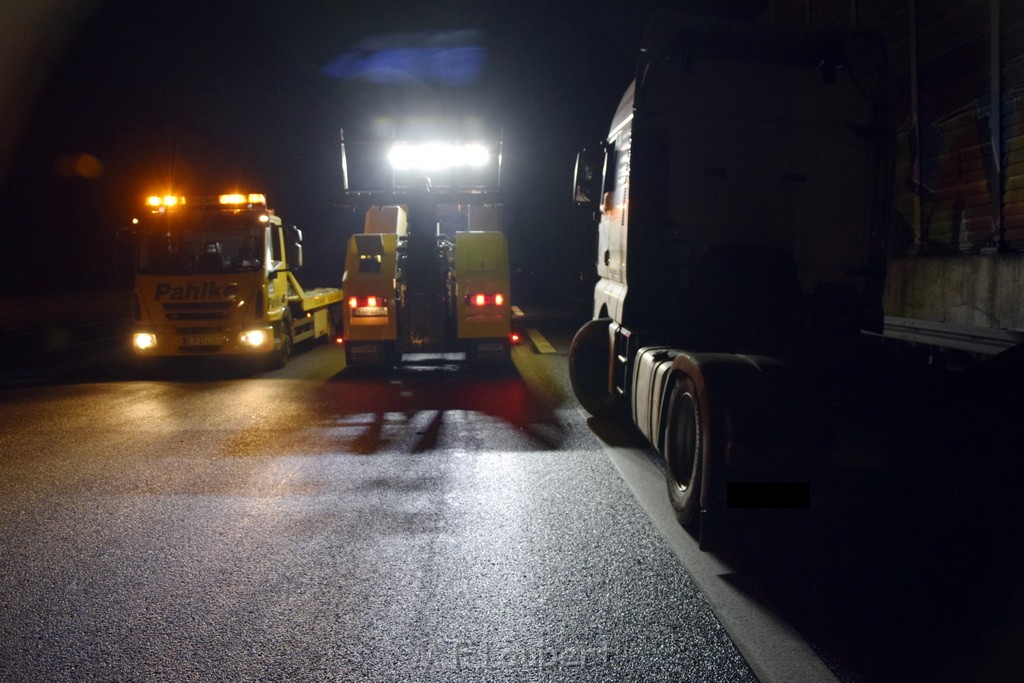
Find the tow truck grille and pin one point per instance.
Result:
(198, 330)
(199, 310)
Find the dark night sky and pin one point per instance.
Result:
(205, 96)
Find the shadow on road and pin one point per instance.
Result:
(438, 395)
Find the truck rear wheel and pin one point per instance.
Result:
(684, 450)
(332, 329)
(590, 368)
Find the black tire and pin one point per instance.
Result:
(589, 369)
(285, 330)
(685, 448)
(332, 329)
(392, 358)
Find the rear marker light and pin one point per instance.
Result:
(367, 301)
(368, 306)
(480, 299)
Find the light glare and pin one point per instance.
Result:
(254, 337)
(144, 340)
(431, 156)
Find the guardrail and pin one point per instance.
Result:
(46, 327)
(61, 343)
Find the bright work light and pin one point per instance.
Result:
(436, 155)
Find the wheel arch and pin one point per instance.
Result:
(590, 368)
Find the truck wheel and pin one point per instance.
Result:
(391, 356)
(684, 450)
(590, 368)
(332, 330)
(281, 355)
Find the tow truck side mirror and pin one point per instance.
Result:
(293, 247)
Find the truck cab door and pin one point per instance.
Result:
(277, 276)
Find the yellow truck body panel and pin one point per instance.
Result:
(370, 267)
(481, 268)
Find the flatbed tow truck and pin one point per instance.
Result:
(215, 276)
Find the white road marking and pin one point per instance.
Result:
(539, 342)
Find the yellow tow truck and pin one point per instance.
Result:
(429, 273)
(215, 276)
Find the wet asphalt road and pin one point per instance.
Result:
(309, 524)
(202, 522)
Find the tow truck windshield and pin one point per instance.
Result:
(202, 242)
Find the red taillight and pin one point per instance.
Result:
(480, 299)
(371, 306)
(367, 301)
(514, 338)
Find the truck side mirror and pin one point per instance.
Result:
(587, 177)
(607, 202)
(293, 247)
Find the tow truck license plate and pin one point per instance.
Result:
(370, 311)
(199, 341)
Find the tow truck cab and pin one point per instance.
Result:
(214, 276)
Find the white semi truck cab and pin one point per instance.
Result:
(741, 201)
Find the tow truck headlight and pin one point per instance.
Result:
(253, 337)
(144, 340)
